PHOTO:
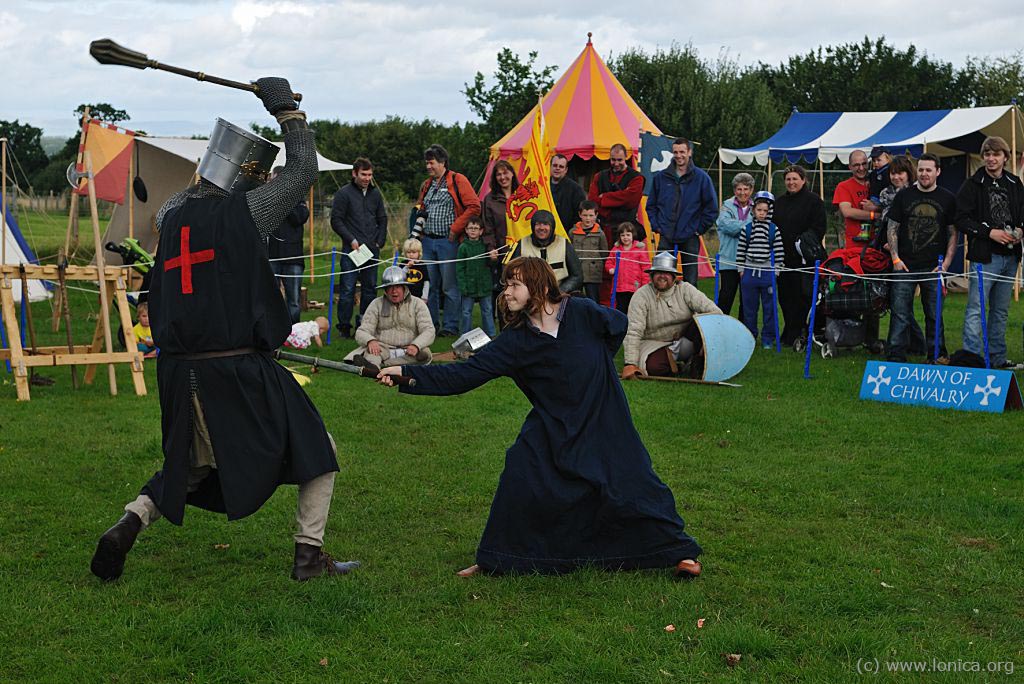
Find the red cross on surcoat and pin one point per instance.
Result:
(186, 259)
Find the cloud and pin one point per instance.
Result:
(356, 60)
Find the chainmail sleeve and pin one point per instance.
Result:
(270, 203)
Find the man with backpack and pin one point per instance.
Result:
(446, 202)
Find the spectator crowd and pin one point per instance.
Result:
(899, 224)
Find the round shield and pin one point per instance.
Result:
(728, 346)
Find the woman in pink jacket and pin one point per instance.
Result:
(633, 265)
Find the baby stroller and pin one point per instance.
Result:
(844, 298)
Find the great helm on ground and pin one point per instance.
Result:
(236, 160)
(393, 275)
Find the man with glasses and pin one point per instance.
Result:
(852, 200)
(849, 198)
(566, 192)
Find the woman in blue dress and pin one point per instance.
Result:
(578, 488)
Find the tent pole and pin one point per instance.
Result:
(720, 178)
(312, 223)
(3, 204)
(131, 195)
(1013, 136)
(768, 181)
(73, 211)
(821, 179)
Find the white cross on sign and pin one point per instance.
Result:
(987, 390)
(879, 380)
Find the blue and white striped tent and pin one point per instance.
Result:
(835, 135)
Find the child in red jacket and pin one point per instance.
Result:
(633, 265)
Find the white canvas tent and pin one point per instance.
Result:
(167, 165)
(17, 251)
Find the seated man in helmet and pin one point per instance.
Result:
(396, 329)
(660, 334)
(554, 249)
(235, 423)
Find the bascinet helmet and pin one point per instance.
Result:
(237, 159)
(664, 262)
(393, 275)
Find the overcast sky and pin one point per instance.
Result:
(359, 60)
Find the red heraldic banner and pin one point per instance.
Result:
(111, 150)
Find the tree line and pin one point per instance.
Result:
(716, 102)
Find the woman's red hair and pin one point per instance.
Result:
(539, 279)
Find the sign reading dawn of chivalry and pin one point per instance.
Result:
(966, 389)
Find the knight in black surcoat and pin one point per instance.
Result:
(235, 423)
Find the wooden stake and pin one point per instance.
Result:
(27, 307)
(101, 267)
(62, 290)
(17, 354)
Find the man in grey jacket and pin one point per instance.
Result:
(660, 314)
(359, 217)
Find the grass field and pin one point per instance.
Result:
(836, 533)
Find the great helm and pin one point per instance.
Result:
(393, 275)
(664, 262)
(236, 159)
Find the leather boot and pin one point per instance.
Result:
(108, 561)
(311, 561)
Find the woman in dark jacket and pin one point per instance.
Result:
(495, 220)
(503, 184)
(799, 215)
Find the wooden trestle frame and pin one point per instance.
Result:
(69, 355)
(112, 284)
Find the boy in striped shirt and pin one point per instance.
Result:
(758, 252)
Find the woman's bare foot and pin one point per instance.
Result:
(469, 572)
(688, 568)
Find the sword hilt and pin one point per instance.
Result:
(397, 379)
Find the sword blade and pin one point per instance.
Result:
(361, 371)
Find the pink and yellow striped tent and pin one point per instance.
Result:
(586, 112)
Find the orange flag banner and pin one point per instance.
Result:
(111, 150)
(534, 191)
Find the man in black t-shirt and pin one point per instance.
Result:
(920, 230)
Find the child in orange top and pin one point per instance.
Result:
(633, 265)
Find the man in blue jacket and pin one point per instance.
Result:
(682, 205)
